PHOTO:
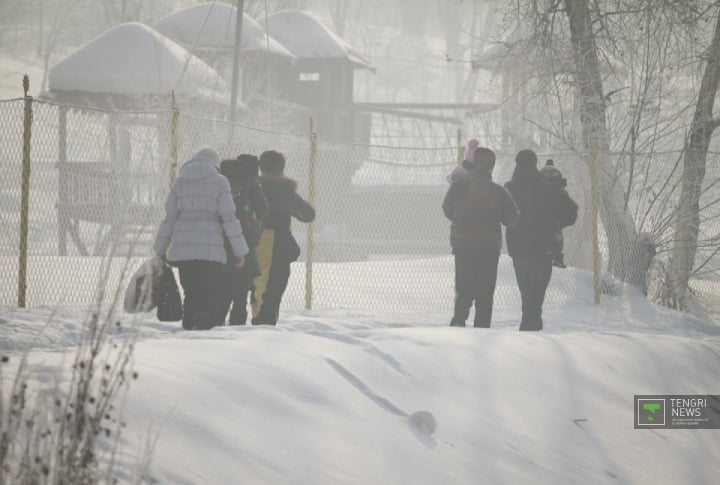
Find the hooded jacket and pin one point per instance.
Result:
(198, 210)
(476, 207)
(543, 208)
(284, 203)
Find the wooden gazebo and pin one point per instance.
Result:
(113, 89)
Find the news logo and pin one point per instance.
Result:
(677, 412)
(650, 412)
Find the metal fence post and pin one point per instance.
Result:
(309, 244)
(25, 196)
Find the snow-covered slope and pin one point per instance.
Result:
(355, 397)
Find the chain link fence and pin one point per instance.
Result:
(98, 179)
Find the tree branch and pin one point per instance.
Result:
(712, 124)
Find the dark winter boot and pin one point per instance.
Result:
(203, 321)
(558, 261)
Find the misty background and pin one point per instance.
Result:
(620, 94)
(422, 48)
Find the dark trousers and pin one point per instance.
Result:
(233, 290)
(199, 281)
(475, 278)
(533, 276)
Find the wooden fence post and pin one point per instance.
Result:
(461, 149)
(174, 139)
(595, 234)
(309, 244)
(25, 196)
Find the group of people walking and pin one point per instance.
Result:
(534, 206)
(227, 230)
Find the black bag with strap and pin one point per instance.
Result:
(246, 215)
(250, 225)
(169, 301)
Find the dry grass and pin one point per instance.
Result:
(68, 432)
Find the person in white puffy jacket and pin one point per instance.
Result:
(198, 210)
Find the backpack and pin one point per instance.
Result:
(246, 215)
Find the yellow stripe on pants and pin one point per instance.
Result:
(264, 253)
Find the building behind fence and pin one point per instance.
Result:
(81, 185)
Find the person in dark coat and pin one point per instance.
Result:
(251, 207)
(543, 208)
(277, 248)
(476, 207)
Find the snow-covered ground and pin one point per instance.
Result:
(348, 396)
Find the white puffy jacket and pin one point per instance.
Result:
(198, 210)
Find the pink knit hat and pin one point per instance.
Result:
(470, 150)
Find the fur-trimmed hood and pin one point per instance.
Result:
(284, 202)
(278, 182)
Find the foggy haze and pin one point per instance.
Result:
(374, 103)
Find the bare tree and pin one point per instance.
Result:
(619, 225)
(120, 11)
(51, 39)
(339, 11)
(629, 65)
(257, 8)
(687, 222)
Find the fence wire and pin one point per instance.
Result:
(380, 242)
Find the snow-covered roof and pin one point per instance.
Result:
(306, 37)
(211, 26)
(131, 59)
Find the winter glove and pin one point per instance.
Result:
(157, 263)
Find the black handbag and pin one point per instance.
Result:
(169, 306)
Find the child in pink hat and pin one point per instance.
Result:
(467, 165)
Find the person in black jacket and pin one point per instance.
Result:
(277, 247)
(543, 207)
(250, 208)
(476, 207)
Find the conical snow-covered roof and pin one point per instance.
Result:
(134, 59)
(211, 26)
(306, 37)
